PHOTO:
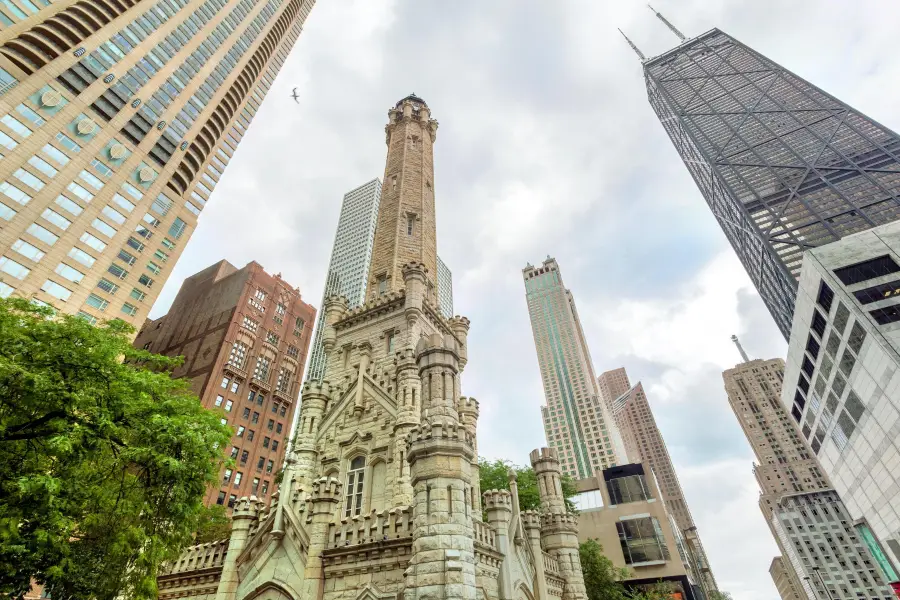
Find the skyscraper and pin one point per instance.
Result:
(348, 269)
(797, 499)
(118, 119)
(644, 443)
(783, 166)
(445, 288)
(244, 336)
(576, 422)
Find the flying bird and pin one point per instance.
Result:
(295, 96)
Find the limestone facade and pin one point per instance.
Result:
(380, 497)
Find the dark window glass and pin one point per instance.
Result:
(847, 362)
(799, 400)
(825, 297)
(857, 337)
(854, 406)
(795, 412)
(869, 269)
(807, 366)
(841, 316)
(803, 384)
(878, 292)
(221, 498)
(839, 384)
(812, 346)
(884, 316)
(834, 341)
(818, 323)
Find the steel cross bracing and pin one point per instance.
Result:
(783, 166)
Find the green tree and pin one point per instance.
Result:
(602, 579)
(661, 590)
(213, 524)
(104, 458)
(717, 595)
(494, 475)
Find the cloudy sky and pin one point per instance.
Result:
(547, 145)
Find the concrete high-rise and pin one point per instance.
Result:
(244, 336)
(348, 268)
(782, 165)
(118, 119)
(577, 424)
(797, 499)
(644, 444)
(842, 378)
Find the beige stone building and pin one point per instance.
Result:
(781, 577)
(244, 335)
(380, 497)
(644, 443)
(117, 120)
(577, 424)
(623, 508)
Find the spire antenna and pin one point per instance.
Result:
(740, 348)
(665, 21)
(633, 47)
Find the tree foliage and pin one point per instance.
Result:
(602, 579)
(717, 595)
(213, 524)
(104, 459)
(494, 475)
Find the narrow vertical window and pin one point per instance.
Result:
(354, 496)
(394, 182)
(410, 224)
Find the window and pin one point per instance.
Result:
(246, 413)
(238, 354)
(43, 166)
(227, 476)
(382, 284)
(869, 269)
(354, 489)
(42, 234)
(250, 434)
(145, 281)
(237, 478)
(271, 425)
(107, 286)
(228, 405)
(279, 427)
(27, 250)
(260, 295)
(265, 443)
(220, 399)
(841, 316)
(93, 242)
(250, 324)
(265, 487)
(129, 309)
(126, 257)
(123, 203)
(117, 271)
(177, 228)
(272, 338)
(240, 431)
(103, 228)
(154, 268)
(68, 205)
(255, 484)
(56, 219)
(161, 255)
(69, 273)
(887, 315)
(292, 351)
(642, 540)
(11, 267)
(15, 125)
(410, 224)
(225, 381)
(280, 309)
(221, 499)
(56, 290)
(261, 371)
(67, 143)
(97, 302)
(255, 418)
(857, 337)
(631, 488)
(818, 323)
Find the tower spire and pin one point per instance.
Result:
(633, 47)
(665, 21)
(740, 348)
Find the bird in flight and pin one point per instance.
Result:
(295, 96)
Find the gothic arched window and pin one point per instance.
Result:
(354, 496)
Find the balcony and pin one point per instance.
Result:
(260, 384)
(234, 371)
(288, 394)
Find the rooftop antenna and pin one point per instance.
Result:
(633, 47)
(665, 21)
(740, 348)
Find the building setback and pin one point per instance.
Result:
(782, 165)
(117, 120)
(790, 479)
(842, 378)
(644, 443)
(244, 336)
(576, 422)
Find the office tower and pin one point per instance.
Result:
(619, 507)
(445, 289)
(793, 490)
(782, 580)
(244, 335)
(783, 165)
(118, 119)
(576, 422)
(348, 269)
(842, 378)
(381, 493)
(644, 443)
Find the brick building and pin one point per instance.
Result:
(244, 335)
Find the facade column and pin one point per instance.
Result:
(246, 511)
(440, 454)
(468, 416)
(321, 505)
(559, 529)
(313, 402)
(409, 406)
(531, 520)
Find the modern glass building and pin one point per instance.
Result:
(444, 289)
(783, 165)
(577, 423)
(348, 269)
(117, 120)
